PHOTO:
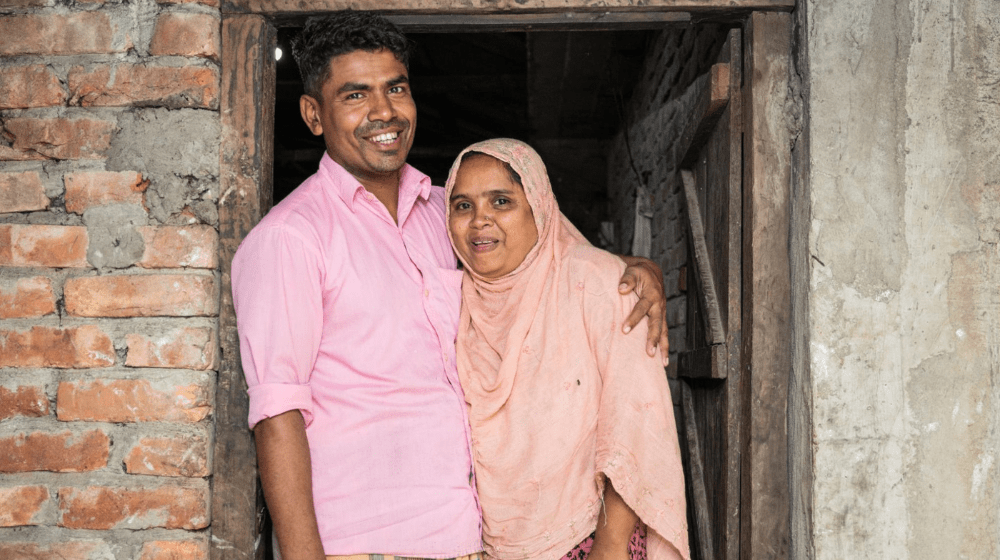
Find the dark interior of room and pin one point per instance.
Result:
(562, 92)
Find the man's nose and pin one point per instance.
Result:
(381, 108)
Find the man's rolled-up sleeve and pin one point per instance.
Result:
(278, 296)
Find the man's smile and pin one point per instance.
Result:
(383, 135)
(385, 138)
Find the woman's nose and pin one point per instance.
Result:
(482, 218)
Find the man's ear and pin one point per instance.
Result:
(310, 108)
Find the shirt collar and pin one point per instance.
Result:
(412, 184)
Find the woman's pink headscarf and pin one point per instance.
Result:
(558, 397)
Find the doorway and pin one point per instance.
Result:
(759, 502)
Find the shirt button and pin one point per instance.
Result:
(427, 293)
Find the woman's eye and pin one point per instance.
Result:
(462, 206)
(502, 201)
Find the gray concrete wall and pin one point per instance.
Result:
(904, 327)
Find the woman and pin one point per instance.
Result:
(572, 428)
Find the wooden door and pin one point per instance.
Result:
(711, 390)
(736, 375)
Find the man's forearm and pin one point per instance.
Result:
(286, 477)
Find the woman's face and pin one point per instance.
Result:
(491, 221)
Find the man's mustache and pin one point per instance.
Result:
(373, 128)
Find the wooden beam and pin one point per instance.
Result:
(801, 459)
(767, 333)
(712, 93)
(292, 8)
(245, 182)
(715, 331)
(707, 362)
(566, 21)
(702, 522)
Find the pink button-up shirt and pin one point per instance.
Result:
(351, 318)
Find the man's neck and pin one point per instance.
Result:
(386, 190)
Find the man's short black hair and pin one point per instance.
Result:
(327, 36)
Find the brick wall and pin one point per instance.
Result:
(109, 287)
(656, 115)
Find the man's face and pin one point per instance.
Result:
(367, 116)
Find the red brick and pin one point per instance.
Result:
(48, 246)
(24, 3)
(30, 86)
(59, 452)
(132, 400)
(58, 138)
(173, 295)
(79, 33)
(105, 508)
(174, 550)
(180, 246)
(74, 550)
(26, 297)
(169, 456)
(145, 86)
(26, 400)
(10, 154)
(22, 192)
(75, 347)
(186, 35)
(86, 189)
(21, 504)
(186, 348)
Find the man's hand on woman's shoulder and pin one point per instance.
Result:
(645, 278)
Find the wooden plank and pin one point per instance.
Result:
(800, 403)
(304, 7)
(736, 397)
(245, 180)
(767, 287)
(715, 330)
(707, 362)
(713, 96)
(702, 521)
(566, 21)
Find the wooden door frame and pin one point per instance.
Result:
(766, 484)
(246, 163)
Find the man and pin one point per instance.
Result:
(347, 297)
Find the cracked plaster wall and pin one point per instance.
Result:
(904, 303)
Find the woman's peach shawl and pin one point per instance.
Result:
(558, 397)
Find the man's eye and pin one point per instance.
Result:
(397, 89)
(355, 95)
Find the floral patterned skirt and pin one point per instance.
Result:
(636, 546)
